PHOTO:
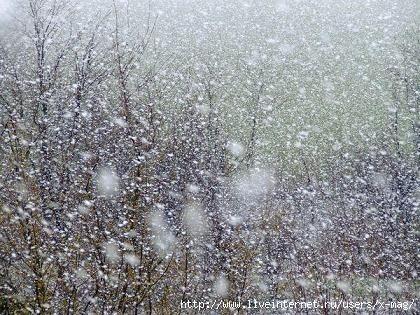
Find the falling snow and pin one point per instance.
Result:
(156, 153)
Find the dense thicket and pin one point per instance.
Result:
(127, 184)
